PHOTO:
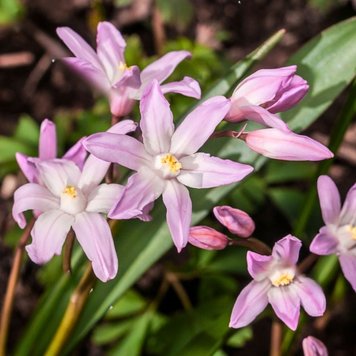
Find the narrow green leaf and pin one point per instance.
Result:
(27, 131)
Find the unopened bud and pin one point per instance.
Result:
(236, 221)
(207, 238)
(314, 347)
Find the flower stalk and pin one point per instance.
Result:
(276, 338)
(11, 286)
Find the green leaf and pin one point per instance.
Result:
(27, 131)
(327, 62)
(10, 146)
(107, 333)
(240, 337)
(10, 11)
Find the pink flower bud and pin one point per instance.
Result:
(207, 238)
(314, 347)
(236, 221)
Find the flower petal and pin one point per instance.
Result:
(57, 174)
(121, 149)
(324, 243)
(156, 120)
(207, 238)
(260, 115)
(110, 46)
(198, 126)
(204, 171)
(235, 220)
(79, 46)
(48, 235)
(329, 198)
(179, 212)
(287, 249)
(163, 67)
(103, 198)
(77, 154)
(311, 296)
(285, 145)
(187, 86)
(258, 265)
(32, 196)
(123, 127)
(286, 304)
(251, 301)
(48, 140)
(142, 188)
(348, 212)
(27, 167)
(348, 266)
(314, 347)
(94, 235)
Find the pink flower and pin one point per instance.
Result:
(276, 281)
(47, 150)
(314, 347)
(338, 236)
(69, 199)
(266, 92)
(167, 161)
(107, 71)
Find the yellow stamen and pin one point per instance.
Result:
(123, 66)
(352, 230)
(173, 164)
(283, 279)
(70, 191)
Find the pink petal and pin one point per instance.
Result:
(314, 347)
(121, 101)
(284, 145)
(286, 304)
(48, 235)
(163, 67)
(198, 126)
(121, 149)
(258, 265)
(287, 249)
(329, 198)
(260, 115)
(28, 168)
(251, 301)
(110, 47)
(235, 220)
(348, 266)
(89, 72)
(324, 243)
(103, 198)
(207, 238)
(48, 140)
(142, 189)
(57, 174)
(348, 212)
(204, 171)
(156, 120)
(179, 212)
(188, 87)
(311, 296)
(79, 46)
(94, 235)
(32, 196)
(123, 127)
(77, 154)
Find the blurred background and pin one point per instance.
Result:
(34, 85)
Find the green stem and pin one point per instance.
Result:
(338, 133)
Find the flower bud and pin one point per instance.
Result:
(236, 221)
(314, 347)
(207, 238)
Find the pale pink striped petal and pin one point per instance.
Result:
(94, 235)
(329, 198)
(198, 126)
(348, 266)
(324, 243)
(32, 196)
(179, 212)
(77, 153)
(251, 301)
(314, 347)
(27, 167)
(348, 212)
(204, 171)
(123, 127)
(103, 198)
(258, 265)
(48, 235)
(48, 140)
(187, 86)
(156, 120)
(287, 249)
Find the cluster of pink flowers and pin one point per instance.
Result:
(68, 193)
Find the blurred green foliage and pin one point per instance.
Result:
(10, 11)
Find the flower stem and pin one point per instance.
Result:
(252, 244)
(307, 263)
(11, 286)
(67, 253)
(179, 289)
(71, 315)
(276, 338)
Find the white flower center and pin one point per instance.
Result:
(351, 229)
(284, 277)
(168, 165)
(72, 200)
